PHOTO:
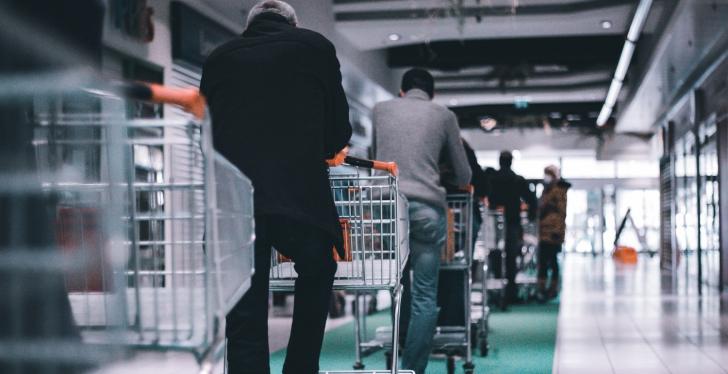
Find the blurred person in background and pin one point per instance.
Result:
(419, 136)
(279, 111)
(508, 191)
(551, 230)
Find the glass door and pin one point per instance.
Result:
(709, 203)
(686, 196)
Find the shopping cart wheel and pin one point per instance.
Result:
(358, 366)
(469, 368)
(450, 365)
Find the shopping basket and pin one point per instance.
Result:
(182, 253)
(375, 225)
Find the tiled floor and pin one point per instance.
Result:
(619, 319)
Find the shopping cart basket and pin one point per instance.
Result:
(184, 254)
(456, 259)
(375, 225)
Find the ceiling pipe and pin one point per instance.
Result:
(635, 29)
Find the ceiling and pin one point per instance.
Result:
(525, 63)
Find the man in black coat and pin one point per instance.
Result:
(508, 191)
(279, 111)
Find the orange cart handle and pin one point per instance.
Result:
(390, 167)
(189, 99)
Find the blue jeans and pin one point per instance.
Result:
(428, 232)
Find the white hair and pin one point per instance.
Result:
(553, 170)
(281, 8)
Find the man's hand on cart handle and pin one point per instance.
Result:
(390, 167)
(340, 157)
(189, 99)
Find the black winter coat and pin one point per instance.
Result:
(279, 111)
(508, 189)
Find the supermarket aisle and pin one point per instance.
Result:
(617, 319)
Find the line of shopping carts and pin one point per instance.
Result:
(152, 235)
(152, 240)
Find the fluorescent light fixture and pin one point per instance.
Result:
(606, 24)
(640, 16)
(488, 123)
(624, 60)
(394, 37)
(635, 28)
(604, 116)
(613, 94)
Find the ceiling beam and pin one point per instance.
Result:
(577, 115)
(575, 51)
(601, 83)
(472, 11)
(494, 74)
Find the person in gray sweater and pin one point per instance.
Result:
(421, 136)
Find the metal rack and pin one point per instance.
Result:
(493, 241)
(375, 228)
(148, 260)
(458, 256)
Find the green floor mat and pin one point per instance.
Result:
(522, 342)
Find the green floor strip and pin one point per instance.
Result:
(522, 341)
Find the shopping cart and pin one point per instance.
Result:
(162, 226)
(455, 340)
(492, 240)
(375, 226)
(527, 264)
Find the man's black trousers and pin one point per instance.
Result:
(514, 245)
(247, 324)
(548, 260)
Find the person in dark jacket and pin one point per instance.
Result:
(508, 191)
(279, 111)
(551, 230)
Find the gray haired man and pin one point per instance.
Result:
(279, 111)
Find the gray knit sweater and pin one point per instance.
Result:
(420, 136)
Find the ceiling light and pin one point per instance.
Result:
(555, 115)
(488, 123)
(453, 102)
(394, 37)
(606, 24)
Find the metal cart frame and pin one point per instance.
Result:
(457, 340)
(376, 235)
(492, 238)
(181, 254)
